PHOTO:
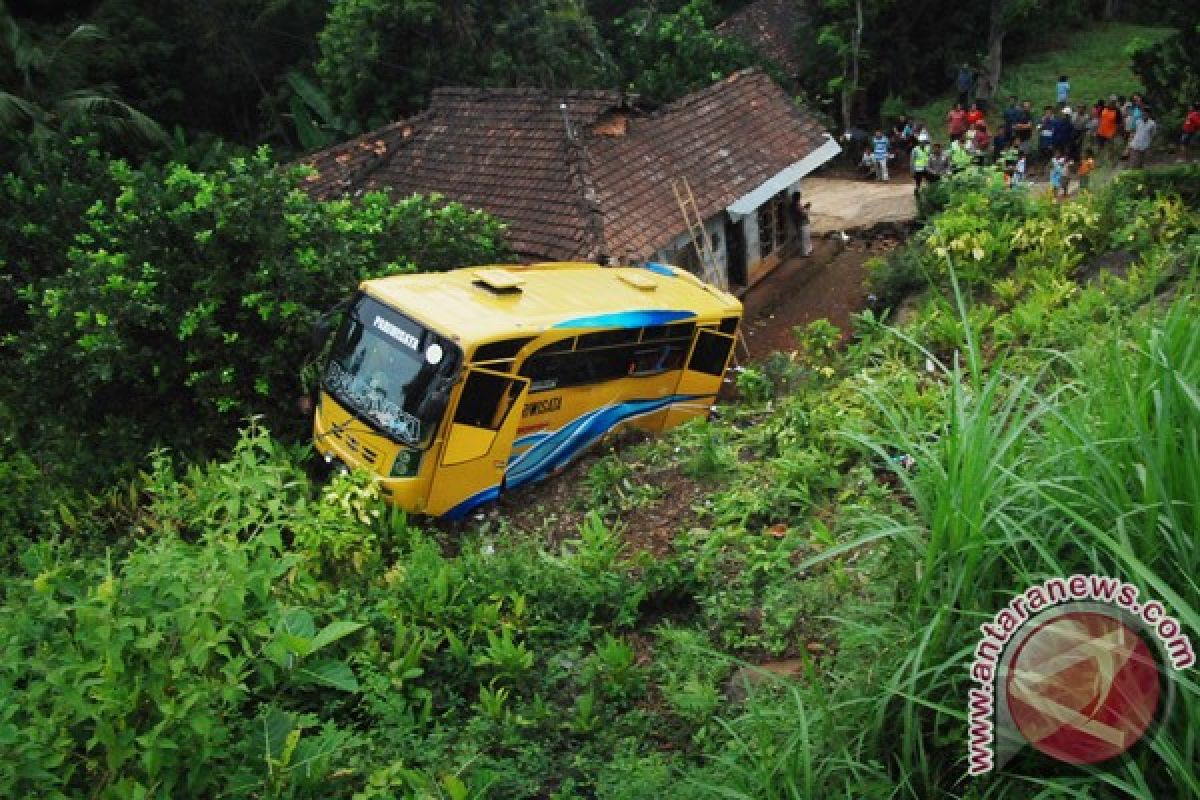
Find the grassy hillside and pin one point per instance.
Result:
(780, 603)
(1093, 60)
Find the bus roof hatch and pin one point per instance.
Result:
(639, 280)
(499, 280)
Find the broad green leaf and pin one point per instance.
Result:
(332, 673)
(334, 631)
(298, 622)
(276, 725)
(454, 787)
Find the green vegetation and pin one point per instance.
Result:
(230, 628)
(165, 305)
(1170, 72)
(1087, 58)
(779, 602)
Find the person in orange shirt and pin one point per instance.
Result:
(1109, 125)
(974, 116)
(1085, 169)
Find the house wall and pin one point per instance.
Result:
(758, 265)
(750, 226)
(679, 251)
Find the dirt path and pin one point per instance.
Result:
(850, 205)
(802, 291)
(828, 285)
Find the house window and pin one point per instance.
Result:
(772, 226)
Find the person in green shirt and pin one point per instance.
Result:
(918, 162)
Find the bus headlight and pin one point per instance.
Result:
(406, 464)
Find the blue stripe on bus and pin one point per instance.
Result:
(659, 269)
(557, 448)
(627, 319)
(561, 446)
(471, 503)
(531, 438)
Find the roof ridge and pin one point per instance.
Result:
(691, 98)
(580, 177)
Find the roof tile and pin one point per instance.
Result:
(507, 151)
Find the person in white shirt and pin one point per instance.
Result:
(1143, 135)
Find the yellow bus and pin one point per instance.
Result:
(453, 387)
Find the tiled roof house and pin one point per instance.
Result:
(583, 175)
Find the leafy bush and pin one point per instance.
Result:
(664, 55)
(41, 215)
(163, 673)
(1182, 180)
(1170, 72)
(183, 301)
(892, 277)
(775, 376)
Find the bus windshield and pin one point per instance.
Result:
(382, 364)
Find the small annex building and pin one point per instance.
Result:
(585, 175)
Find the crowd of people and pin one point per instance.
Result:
(1065, 141)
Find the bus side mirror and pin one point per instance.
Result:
(324, 324)
(433, 404)
(320, 332)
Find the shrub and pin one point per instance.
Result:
(157, 674)
(1182, 180)
(183, 301)
(892, 277)
(1170, 72)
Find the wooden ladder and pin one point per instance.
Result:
(695, 225)
(702, 245)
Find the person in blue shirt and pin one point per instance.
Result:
(879, 145)
(1011, 115)
(1062, 90)
(964, 82)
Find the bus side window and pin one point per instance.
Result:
(555, 366)
(485, 400)
(653, 360)
(711, 353)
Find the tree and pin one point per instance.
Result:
(997, 29)
(46, 93)
(217, 66)
(182, 301)
(666, 55)
(1003, 15)
(380, 59)
(845, 22)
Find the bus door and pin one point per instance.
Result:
(702, 375)
(478, 441)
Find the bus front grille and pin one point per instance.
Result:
(356, 447)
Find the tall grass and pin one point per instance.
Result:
(1033, 479)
